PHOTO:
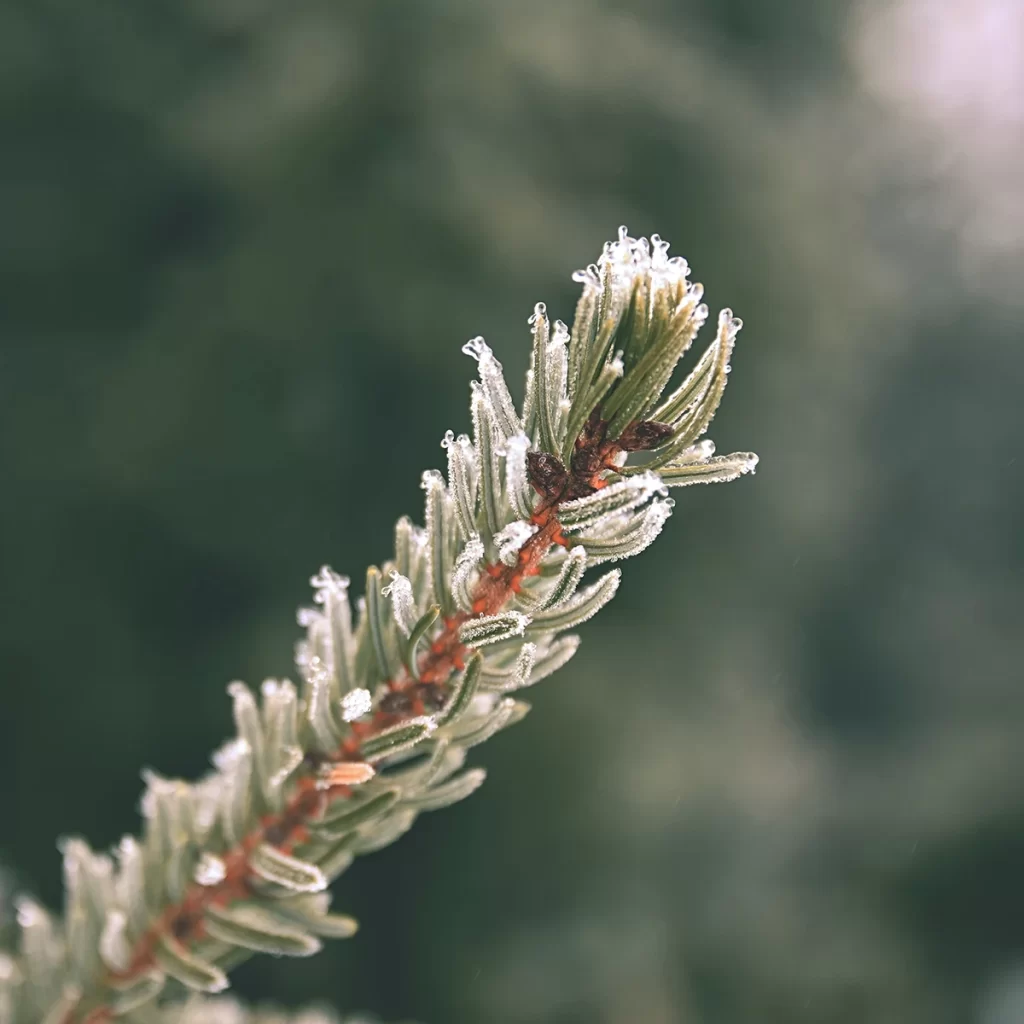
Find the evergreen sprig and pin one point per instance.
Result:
(472, 607)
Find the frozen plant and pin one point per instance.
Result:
(472, 607)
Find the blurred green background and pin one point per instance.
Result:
(241, 244)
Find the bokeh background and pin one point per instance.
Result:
(241, 244)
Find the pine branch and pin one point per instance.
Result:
(472, 607)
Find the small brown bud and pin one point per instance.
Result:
(277, 833)
(432, 695)
(397, 702)
(586, 462)
(643, 435)
(547, 474)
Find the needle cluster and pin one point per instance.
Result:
(393, 689)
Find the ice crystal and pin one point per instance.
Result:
(210, 870)
(355, 704)
(512, 538)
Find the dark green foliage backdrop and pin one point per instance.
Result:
(241, 243)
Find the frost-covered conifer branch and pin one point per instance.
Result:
(473, 606)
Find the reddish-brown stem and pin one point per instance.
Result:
(288, 829)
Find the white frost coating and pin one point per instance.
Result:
(557, 654)
(728, 325)
(306, 617)
(675, 408)
(638, 539)
(128, 881)
(328, 633)
(612, 529)
(628, 258)
(114, 948)
(692, 407)
(205, 805)
(241, 694)
(635, 265)
(157, 787)
(589, 277)
(557, 368)
(246, 715)
(581, 606)
(700, 452)
(449, 792)
(464, 573)
(625, 260)
(433, 483)
(720, 469)
(698, 317)
(281, 729)
(475, 347)
(557, 356)
(384, 831)
(512, 538)
(568, 579)
(334, 637)
(87, 883)
(563, 409)
(234, 764)
(462, 473)
(418, 539)
(402, 603)
(518, 677)
(229, 756)
(530, 399)
(627, 535)
(289, 759)
(612, 500)
(482, 704)
(520, 491)
(430, 479)
(318, 705)
(210, 870)
(470, 732)
(326, 581)
(278, 705)
(234, 806)
(547, 398)
(493, 380)
(147, 802)
(485, 431)
(657, 516)
(355, 704)
(28, 913)
(490, 629)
